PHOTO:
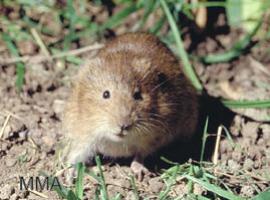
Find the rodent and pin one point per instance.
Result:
(129, 101)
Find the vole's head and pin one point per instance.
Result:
(119, 97)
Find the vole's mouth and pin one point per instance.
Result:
(121, 134)
(117, 137)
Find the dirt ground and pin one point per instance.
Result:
(31, 120)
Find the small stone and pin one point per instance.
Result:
(49, 141)
(13, 197)
(236, 155)
(23, 134)
(10, 162)
(235, 129)
(225, 146)
(261, 141)
(35, 132)
(7, 131)
(181, 190)
(27, 47)
(60, 66)
(4, 146)
(112, 191)
(265, 128)
(250, 130)
(155, 185)
(246, 142)
(198, 190)
(247, 191)
(257, 164)
(24, 152)
(130, 196)
(254, 153)
(43, 155)
(234, 166)
(123, 183)
(58, 106)
(44, 120)
(6, 192)
(14, 15)
(267, 153)
(248, 164)
(266, 131)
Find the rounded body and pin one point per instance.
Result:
(132, 99)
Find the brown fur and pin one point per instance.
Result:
(129, 63)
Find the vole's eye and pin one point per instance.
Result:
(106, 94)
(137, 95)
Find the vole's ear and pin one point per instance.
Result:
(141, 65)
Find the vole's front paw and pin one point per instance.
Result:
(139, 169)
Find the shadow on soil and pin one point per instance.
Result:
(180, 151)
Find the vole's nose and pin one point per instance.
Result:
(125, 126)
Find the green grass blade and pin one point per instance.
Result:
(71, 196)
(20, 71)
(79, 181)
(205, 135)
(263, 195)
(234, 12)
(215, 189)
(116, 197)
(247, 104)
(224, 57)
(20, 67)
(149, 7)
(117, 19)
(63, 192)
(158, 25)
(102, 183)
(171, 180)
(179, 43)
(190, 184)
(229, 137)
(234, 52)
(96, 194)
(134, 188)
(168, 161)
(72, 17)
(201, 4)
(75, 60)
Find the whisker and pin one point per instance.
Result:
(156, 115)
(143, 128)
(145, 75)
(160, 84)
(154, 123)
(160, 123)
